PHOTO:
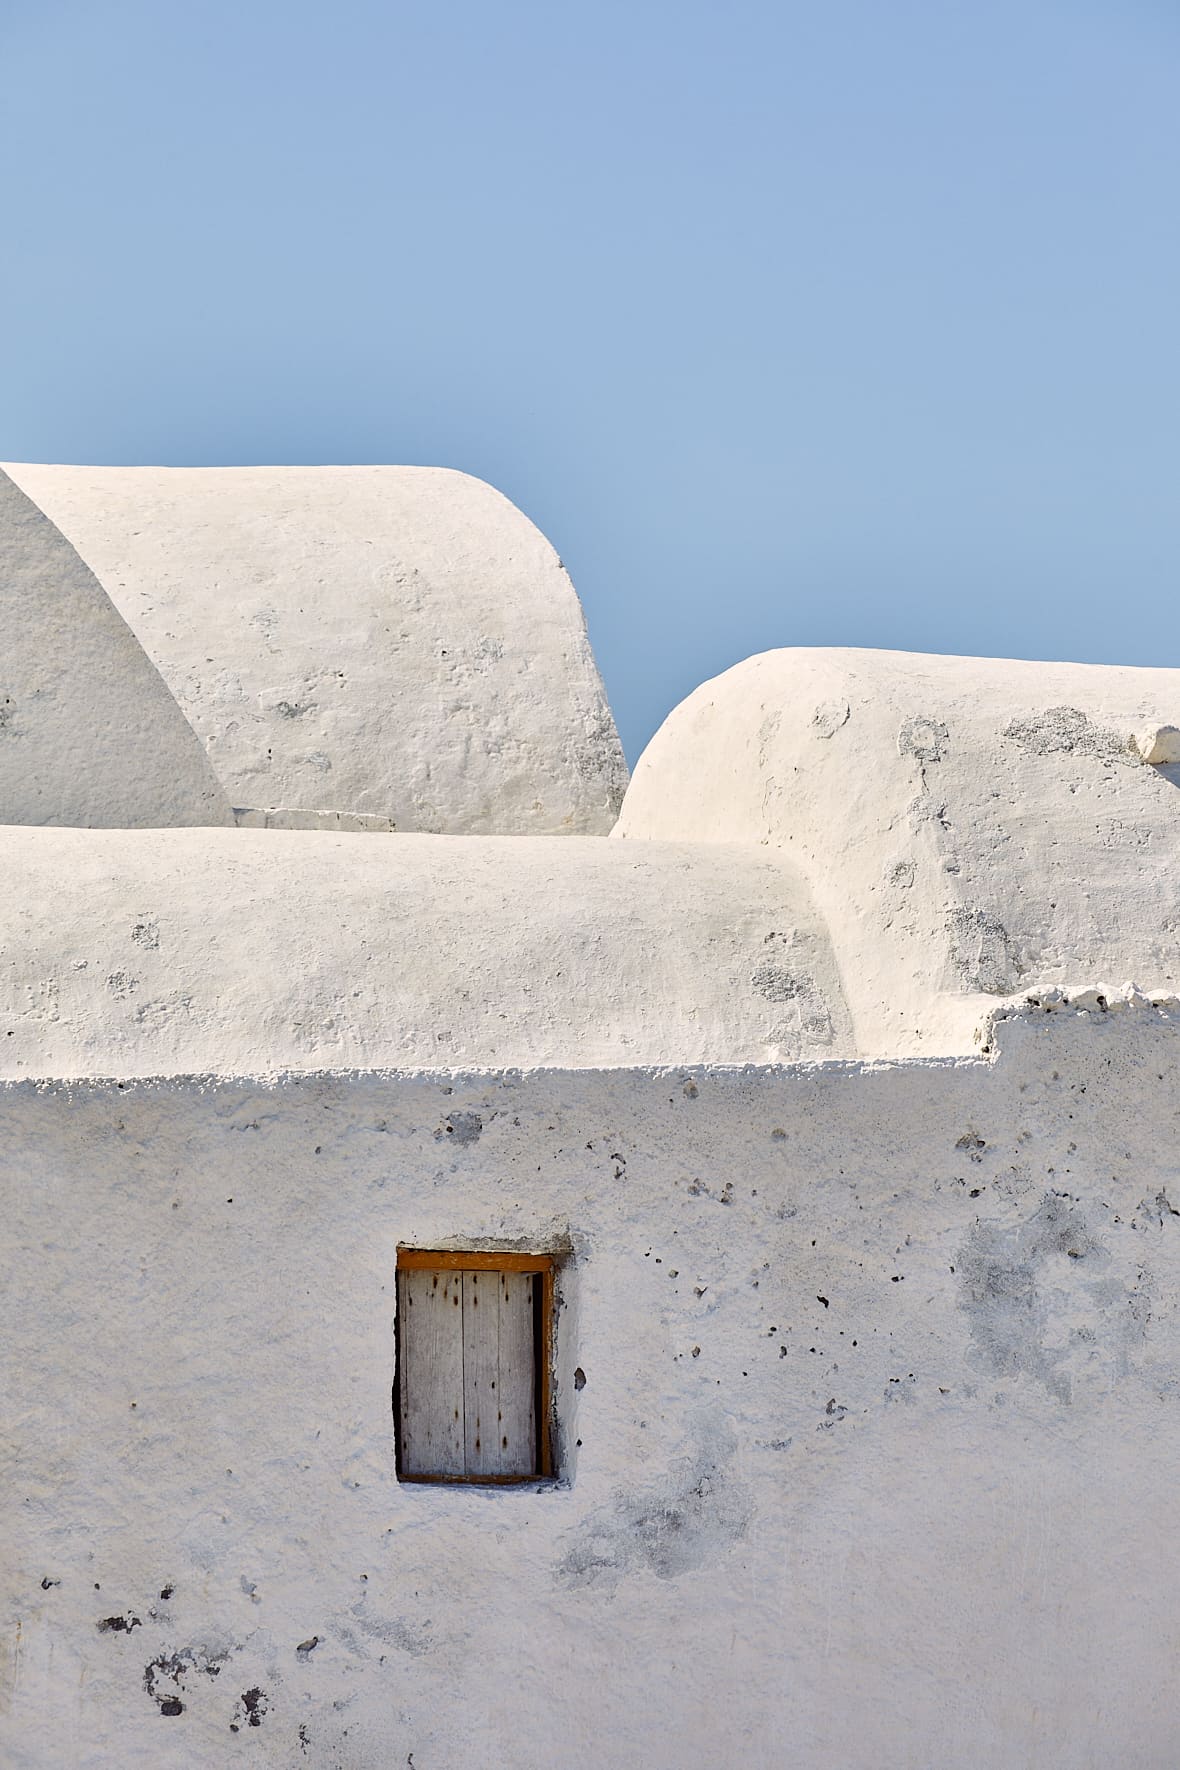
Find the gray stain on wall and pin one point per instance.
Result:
(1040, 1299)
(669, 1528)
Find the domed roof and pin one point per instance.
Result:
(395, 644)
(242, 952)
(89, 734)
(968, 827)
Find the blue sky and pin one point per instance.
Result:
(847, 323)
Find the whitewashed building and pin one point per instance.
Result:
(498, 1272)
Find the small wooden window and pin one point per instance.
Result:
(474, 1351)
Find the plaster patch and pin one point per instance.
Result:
(983, 953)
(1038, 1301)
(1067, 730)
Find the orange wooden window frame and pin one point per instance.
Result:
(470, 1260)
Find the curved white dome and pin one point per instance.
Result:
(968, 827)
(396, 644)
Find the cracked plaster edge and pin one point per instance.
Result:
(1078, 999)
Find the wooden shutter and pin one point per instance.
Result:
(467, 1373)
(431, 1372)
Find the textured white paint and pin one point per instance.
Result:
(396, 642)
(255, 951)
(968, 827)
(873, 1464)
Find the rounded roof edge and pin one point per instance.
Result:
(398, 643)
(967, 826)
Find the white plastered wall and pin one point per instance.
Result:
(873, 1464)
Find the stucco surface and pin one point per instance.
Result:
(395, 642)
(89, 734)
(256, 951)
(871, 1467)
(968, 827)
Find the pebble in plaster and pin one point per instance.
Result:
(1159, 744)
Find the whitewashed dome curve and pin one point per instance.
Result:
(383, 647)
(969, 827)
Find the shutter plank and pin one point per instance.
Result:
(481, 1371)
(516, 1387)
(431, 1375)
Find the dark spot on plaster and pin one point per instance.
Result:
(255, 1704)
(579, 1378)
(464, 1127)
(118, 1625)
(47, 1582)
(165, 1678)
(308, 1646)
(819, 1299)
(167, 1591)
(304, 1739)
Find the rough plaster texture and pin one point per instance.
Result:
(253, 951)
(871, 1465)
(968, 827)
(395, 642)
(89, 734)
